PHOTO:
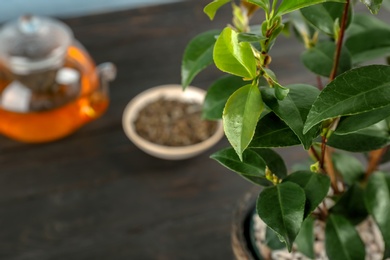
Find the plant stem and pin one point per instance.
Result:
(319, 83)
(315, 154)
(330, 170)
(323, 150)
(327, 155)
(339, 42)
(374, 159)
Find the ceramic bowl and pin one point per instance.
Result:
(191, 94)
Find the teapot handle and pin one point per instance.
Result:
(107, 72)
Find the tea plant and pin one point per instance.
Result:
(350, 113)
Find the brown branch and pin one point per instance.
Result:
(330, 170)
(323, 150)
(374, 160)
(339, 42)
(319, 83)
(314, 153)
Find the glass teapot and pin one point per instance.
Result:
(49, 85)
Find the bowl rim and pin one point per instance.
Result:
(173, 91)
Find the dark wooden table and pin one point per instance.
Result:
(94, 195)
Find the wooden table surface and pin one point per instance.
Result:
(94, 195)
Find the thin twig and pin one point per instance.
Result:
(330, 170)
(339, 42)
(374, 160)
(323, 149)
(319, 83)
(314, 152)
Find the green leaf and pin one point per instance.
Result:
(250, 37)
(342, 242)
(354, 92)
(212, 8)
(271, 131)
(368, 139)
(348, 166)
(281, 207)
(272, 240)
(240, 116)
(365, 22)
(233, 57)
(350, 205)
(367, 38)
(197, 56)
(377, 199)
(292, 5)
(324, 16)
(251, 167)
(350, 124)
(369, 45)
(315, 185)
(294, 109)
(319, 59)
(217, 95)
(302, 165)
(305, 238)
(264, 4)
(273, 160)
(280, 91)
(300, 27)
(373, 5)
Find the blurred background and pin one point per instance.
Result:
(11, 9)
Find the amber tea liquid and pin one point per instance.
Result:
(61, 121)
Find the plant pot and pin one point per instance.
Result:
(247, 231)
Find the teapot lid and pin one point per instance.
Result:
(34, 43)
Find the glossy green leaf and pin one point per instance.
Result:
(342, 242)
(324, 16)
(272, 240)
(367, 38)
(305, 238)
(294, 109)
(264, 4)
(292, 5)
(212, 8)
(302, 165)
(315, 185)
(281, 207)
(319, 59)
(350, 168)
(240, 116)
(354, 92)
(377, 199)
(300, 26)
(250, 37)
(273, 160)
(280, 91)
(350, 205)
(350, 124)
(251, 167)
(233, 57)
(217, 95)
(362, 49)
(368, 139)
(373, 5)
(271, 132)
(364, 22)
(197, 56)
